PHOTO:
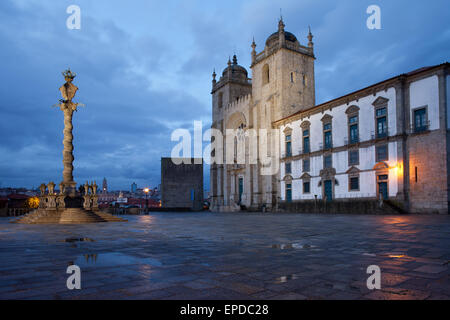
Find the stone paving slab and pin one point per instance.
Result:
(230, 256)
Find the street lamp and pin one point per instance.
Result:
(146, 190)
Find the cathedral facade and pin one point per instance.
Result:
(374, 144)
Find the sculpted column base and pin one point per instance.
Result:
(70, 188)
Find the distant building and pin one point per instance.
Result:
(182, 184)
(133, 187)
(105, 186)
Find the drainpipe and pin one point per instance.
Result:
(405, 120)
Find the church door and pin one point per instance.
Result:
(328, 190)
(383, 186)
(241, 188)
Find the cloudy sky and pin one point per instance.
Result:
(144, 69)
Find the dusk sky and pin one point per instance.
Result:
(144, 69)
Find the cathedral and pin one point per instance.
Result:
(373, 144)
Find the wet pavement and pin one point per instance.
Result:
(229, 256)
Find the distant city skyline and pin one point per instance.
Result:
(145, 69)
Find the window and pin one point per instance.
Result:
(306, 187)
(353, 129)
(288, 145)
(235, 149)
(353, 157)
(292, 77)
(354, 183)
(287, 168)
(327, 138)
(327, 161)
(306, 148)
(305, 80)
(220, 102)
(381, 121)
(420, 120)
(288, 192)
(381, 153)
(265, 74)
(306, 165)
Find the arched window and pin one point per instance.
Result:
(266, 74)
(220, 102)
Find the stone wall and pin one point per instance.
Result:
(427, 164)
(342, 207)
(179, 181)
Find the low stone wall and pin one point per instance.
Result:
(342, 206)
(15, 212)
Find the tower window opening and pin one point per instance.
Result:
(220, 102)
(266, 74)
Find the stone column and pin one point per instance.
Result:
(87, 202)
(94, 202)
(69, 184)
(68, 91)
(51, 205)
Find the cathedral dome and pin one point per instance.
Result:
(273, 38)
(237, 71)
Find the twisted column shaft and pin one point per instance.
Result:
(68, 147)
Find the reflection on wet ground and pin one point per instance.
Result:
(112, 259)
(229, 256)
(295, 245)
(78, 240)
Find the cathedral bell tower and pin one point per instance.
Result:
(283, 74)
(233, 83)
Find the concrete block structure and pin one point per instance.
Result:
(182, 184)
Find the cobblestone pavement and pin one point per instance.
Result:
(229, 256)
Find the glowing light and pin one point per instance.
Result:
(397, 256)
(146, 190)
(398, 169)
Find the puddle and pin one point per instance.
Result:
(396, 256)
(295, 245)
(369, 254)
(112, 259)
(71, 240)
(284, 279)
